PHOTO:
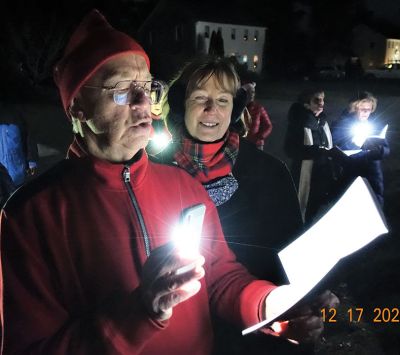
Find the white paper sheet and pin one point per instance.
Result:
(382, 135)
(351, 152)
(353, 222)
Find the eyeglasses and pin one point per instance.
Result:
(124, 92)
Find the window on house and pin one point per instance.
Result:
(256, 35)
(255, 61)
(207, 32)
(233, 33)
(246, 35)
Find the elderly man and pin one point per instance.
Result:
(88, 263)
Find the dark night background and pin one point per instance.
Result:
(33, 33)
(300, 33)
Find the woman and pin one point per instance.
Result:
(253, 191)
(308, 143)
(357, 131)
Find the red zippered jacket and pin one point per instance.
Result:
(73, 247)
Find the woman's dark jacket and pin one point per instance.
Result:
(368, 162)
(260, 219)
(263, 215)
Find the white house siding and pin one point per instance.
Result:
(392, 51)
(251, 48)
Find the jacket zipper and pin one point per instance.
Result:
(126, 176)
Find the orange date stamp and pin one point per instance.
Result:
(359, 314)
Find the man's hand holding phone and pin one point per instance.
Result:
(172, 272)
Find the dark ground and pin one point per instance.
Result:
(368, 279)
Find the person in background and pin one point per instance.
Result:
(356, 130)
(18, 151)
(253, 191)
(88, 260)
(308, 143)
(256, 125)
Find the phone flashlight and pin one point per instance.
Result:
(186, 235)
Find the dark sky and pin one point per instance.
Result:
(387, 9)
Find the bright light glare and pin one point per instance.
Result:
(280, 327)
(277, 327)
(187, 240)
(361, 131)
(161, 140)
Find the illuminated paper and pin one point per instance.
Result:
(353, 222)
(359, 139)
(381, 135)
(351, 152)
(383, 132)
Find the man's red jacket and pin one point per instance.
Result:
(73, 247)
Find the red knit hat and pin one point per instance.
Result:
(92, 44)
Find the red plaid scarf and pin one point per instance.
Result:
(208, 161)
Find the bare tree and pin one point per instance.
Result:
(33, 37)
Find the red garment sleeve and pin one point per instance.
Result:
(37, 320)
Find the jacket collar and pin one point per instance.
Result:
(107, 173)
(313, 121)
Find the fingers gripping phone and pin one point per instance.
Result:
(188, 233)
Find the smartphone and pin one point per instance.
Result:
(192, 217)
(188, 233)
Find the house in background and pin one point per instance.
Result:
(178, 31)
(376, 48)
(245, 42)
(392, 51)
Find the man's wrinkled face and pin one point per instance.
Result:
(116, 132)
(316, 105)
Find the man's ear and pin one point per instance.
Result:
(75, 111)
(77, 117)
